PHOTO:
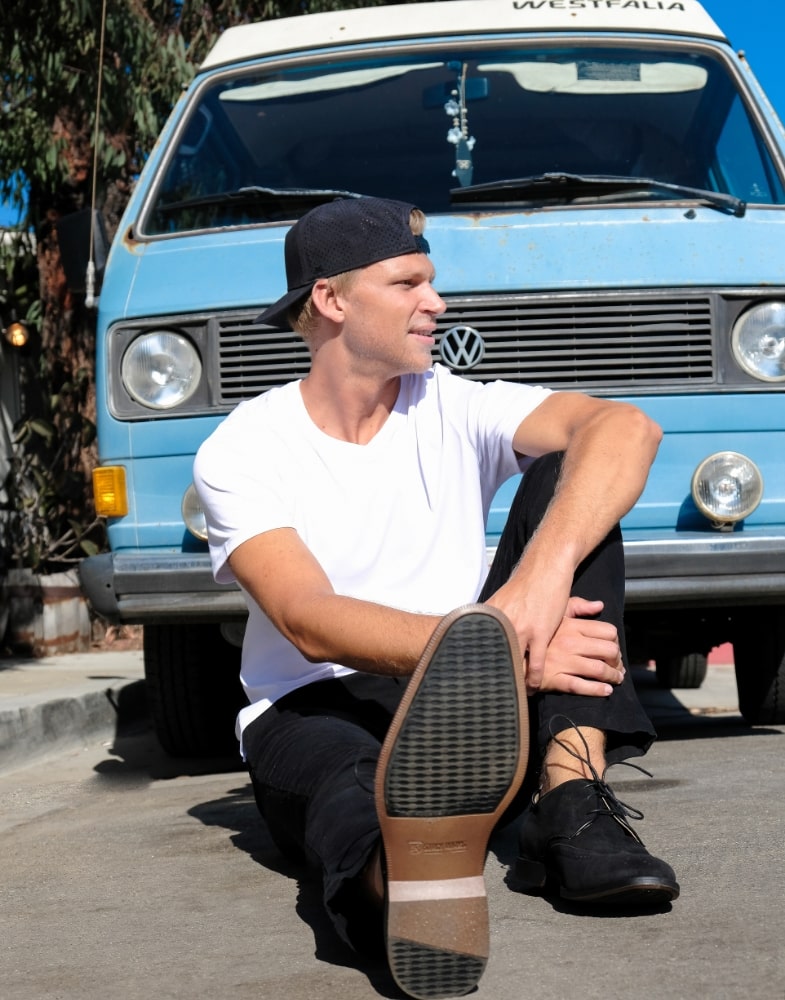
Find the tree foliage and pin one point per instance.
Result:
(49, 51)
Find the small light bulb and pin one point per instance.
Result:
(16, 334)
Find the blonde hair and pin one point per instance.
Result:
(303, 316)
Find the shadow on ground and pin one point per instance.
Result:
(237, 813)
(136, 757)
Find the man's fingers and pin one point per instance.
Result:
(591, 627)
(591, 689)
(534, 660)
(580, 607)
(604, 647)
(590, 677)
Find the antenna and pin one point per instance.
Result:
(90, 275)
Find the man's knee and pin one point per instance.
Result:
(537, 489)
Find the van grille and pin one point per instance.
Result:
(614, 342)
(252, 359)
(588, 343)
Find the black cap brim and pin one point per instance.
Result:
(276, 315)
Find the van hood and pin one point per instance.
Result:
(651, 247)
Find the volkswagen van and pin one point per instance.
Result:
(605, 187)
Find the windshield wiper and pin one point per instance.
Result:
(308, 197)
(561, 187)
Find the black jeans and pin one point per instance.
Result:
(312, 755)
(599, 577)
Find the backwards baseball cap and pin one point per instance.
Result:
(341, 236)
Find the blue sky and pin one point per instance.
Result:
(757, 26)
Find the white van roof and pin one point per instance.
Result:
(458, 17)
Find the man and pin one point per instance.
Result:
(350, 507)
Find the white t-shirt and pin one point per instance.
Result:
(399, 521)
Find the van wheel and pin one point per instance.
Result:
(193, 688)
(681, 670)
(759, 656)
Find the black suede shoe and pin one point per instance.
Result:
(577, 838)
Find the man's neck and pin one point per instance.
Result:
(349, 409)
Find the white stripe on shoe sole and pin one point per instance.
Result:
(445, 888)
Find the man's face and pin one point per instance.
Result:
(390, 310)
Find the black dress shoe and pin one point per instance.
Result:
(577, 839)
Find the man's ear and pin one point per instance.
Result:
(326, 300)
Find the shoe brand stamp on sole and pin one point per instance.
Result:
(448, 847)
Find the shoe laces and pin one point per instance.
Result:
(611, 804)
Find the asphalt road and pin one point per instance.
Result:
(126, 875)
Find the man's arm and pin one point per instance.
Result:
(287, 582)
(609, 448)
(281, 574)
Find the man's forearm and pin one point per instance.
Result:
(279, 572)
(604, 471)
(608, 452)
(360, 634)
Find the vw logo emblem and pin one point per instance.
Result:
(462, 348)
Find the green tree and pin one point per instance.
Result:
(52, 76)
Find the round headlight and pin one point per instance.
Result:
(759, 341)
(193, 514)
(727, 487)
(161, 369)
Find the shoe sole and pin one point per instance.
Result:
(454, 757)
(533, 877)
(641, 892)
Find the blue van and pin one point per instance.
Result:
(605, 186)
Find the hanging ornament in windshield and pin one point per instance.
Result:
(458, 135)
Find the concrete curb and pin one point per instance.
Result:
(61, 703)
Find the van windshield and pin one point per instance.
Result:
(262, 147)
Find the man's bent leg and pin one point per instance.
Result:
(621, 717)
(576, 832)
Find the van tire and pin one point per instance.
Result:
(681, 670)
(759, 657)
(193, 689)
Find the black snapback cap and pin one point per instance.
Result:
(341, 236)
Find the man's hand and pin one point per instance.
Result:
(536, 599)
(584, 656)
(578, 654)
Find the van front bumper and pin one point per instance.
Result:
(142, 588)
(696, 570)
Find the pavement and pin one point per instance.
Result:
(63, 702)
(162, 861)
(129, 875)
